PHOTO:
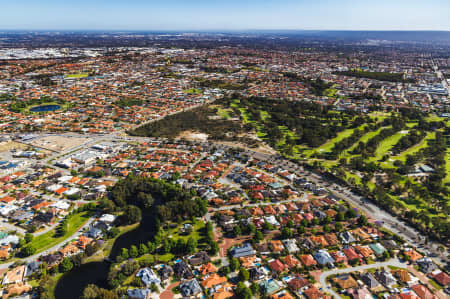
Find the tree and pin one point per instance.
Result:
(143, 249)
(258, 236)
(90, 292)
(145, 200)
(244, 275)
(214, 248)
(21, 243)
(124, 253)
(339, 226)
(91, 248)
(234, 265)
(133, 251)
(113, 232)
(76, 260)
(132, 214)
(301, 229)
(237, 230)
(28, 237)
(243, 292)
(351, 213)
(191, 245)
(66, 265)
(362, 220)
(286, 233)
(28, 250)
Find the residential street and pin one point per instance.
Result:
(323, 277)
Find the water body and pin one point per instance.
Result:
(72, 284)
(45, 108)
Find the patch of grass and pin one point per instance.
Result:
(165, 258)
(174, 233)
(330, 92)
(79, 75)
(435, 284)
(224, 113)
(327, 146)
(49, 239)
(414, 149)
(386, 145)
(193, 91)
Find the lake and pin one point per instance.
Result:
(45, 108)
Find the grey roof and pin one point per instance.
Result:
(138, 293)
(369, 280)
(245, 250)
(190, 288)
(347, 237)
(323, 257)
(427, 265)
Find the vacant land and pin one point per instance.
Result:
(58, 143)
(7, 146)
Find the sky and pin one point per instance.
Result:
(185, 15)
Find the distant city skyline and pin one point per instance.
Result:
(226, 15)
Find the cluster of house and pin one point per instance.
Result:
(160, 79)
(41, 196)
(97, 92)
(393, 282)
(197, 276)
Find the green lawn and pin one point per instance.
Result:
(174, 233)
(414, 149)
(386, 145)
(327, 146)
(224, 113)
(330, 92)
(193, 91)
(79, 75)
(264, 115)
(366, 137)
(48, 240)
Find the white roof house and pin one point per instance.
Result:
(107, 218)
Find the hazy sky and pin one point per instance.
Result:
(225, 14)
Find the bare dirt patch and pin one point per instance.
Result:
(7, 146)
(59, 143)
(193, 136)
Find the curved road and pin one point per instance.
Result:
(323, 277)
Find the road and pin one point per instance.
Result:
(52, 249)
(11, 227)
(323, 277)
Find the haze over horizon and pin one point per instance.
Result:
(226, 15)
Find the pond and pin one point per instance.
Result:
(72, 284)
(45, 108)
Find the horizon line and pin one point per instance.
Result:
(232, 30)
